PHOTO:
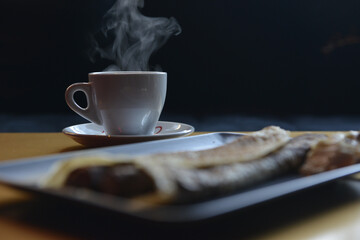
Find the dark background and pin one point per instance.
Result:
(233, 58)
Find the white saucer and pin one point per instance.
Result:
(92, 135)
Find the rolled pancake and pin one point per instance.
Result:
(186, 176)
(340, 150)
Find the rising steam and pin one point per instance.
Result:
(135, 36)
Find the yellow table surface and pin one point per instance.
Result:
(328, 212)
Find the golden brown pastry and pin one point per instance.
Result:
(188, 176)
(338, 151)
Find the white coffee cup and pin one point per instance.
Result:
(123, 102)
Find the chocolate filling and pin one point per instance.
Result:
(124, 179)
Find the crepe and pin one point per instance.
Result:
(338, 151)
(187, 176)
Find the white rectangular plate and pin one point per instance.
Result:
(25, 173)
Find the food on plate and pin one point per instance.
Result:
(188, 176)
(337, 151)
(201, 182)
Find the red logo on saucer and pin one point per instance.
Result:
(158, 129)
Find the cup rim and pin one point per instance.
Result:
(126, 73)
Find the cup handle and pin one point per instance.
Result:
(89, 112)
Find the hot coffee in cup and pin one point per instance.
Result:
(123, 102)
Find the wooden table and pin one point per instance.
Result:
(330, 212)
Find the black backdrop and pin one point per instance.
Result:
(233, 56)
